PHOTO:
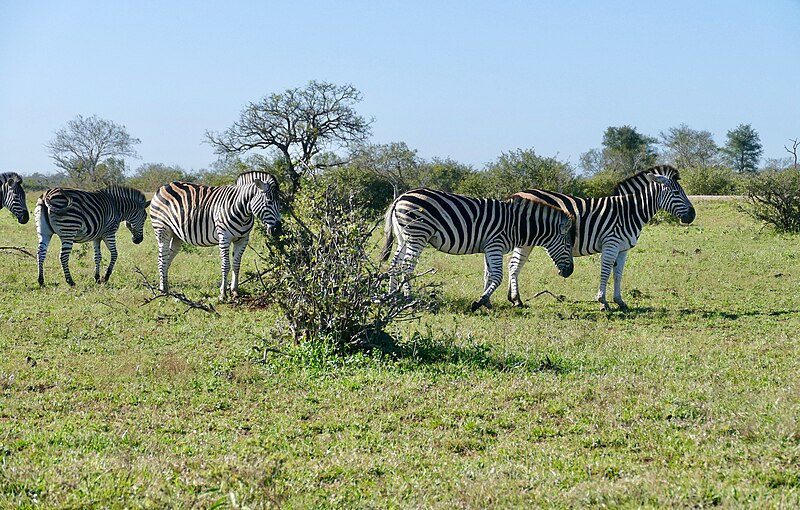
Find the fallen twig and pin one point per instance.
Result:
(22, 250)
(557, 298)
(177, 295)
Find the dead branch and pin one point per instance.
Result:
(16, 248)
(177, 295)
(557, 298)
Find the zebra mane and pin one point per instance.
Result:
(126, 192)
(251, 175)
(639, 180)
(522, 195)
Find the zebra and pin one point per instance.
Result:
(461, 225)
(612, 225)
(184, 212)
(12, 196)
(78, 216)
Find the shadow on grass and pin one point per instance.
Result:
(427, 350)
(589, 310)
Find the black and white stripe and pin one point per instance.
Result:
(460, 225)
(78, 216)
(612, 225)
(200, 215)
(12, 196)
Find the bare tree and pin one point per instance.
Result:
(299, 124)
(394, 162)
(793, 150)
(79, 148)
(689, 148)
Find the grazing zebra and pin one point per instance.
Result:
(612, 225)
(460, 225)
(199, 215)
(12, 196)
(78, 216)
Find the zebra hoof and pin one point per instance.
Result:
(482, 302)
(70, 283)
(41, 282)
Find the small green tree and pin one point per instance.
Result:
(151, 176)
(743, 149)
(524, 169)
(394, 163)
(626, 151)
(443, 174)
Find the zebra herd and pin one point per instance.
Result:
(182, 212)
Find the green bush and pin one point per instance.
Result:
(709, 180)
(774, 198)
(323, 279)
(600, 184)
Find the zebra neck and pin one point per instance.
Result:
(642, 206)
(531, 223)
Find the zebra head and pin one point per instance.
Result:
(671, 197)
(133, 207)
(13, 197)
(265, 204)
(559, 246)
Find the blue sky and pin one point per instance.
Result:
(466, 80)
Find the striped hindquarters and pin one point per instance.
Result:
(87, 215)
(451, 223)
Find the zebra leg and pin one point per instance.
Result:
(238, 250)
(98, 258)
(395, 264)
(518, 258)
(224, 252)
(168, 246)
(410, 258)
(45, 234)
(607, 260)
(493, 276)
(111, 244)
(619, 266)
(66, 248)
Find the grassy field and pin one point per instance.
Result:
(690, 399)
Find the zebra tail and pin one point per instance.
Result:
(42, 216)
(388, 234)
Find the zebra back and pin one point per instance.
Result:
(12, 196)
(96, 213)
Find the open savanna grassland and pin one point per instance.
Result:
(690, 399)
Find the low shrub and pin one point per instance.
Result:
(774, 198)
(709, 180)
(323, 278)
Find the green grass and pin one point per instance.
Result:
(690, 399)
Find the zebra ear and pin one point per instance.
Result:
(661, 179)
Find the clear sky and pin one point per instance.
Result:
(461, 79)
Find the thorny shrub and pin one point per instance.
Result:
(322, 276)
(774, 198)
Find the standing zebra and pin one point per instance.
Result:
(460, 225)
(612, 225)
(12, 196)
(78, 216)
(200, 215)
